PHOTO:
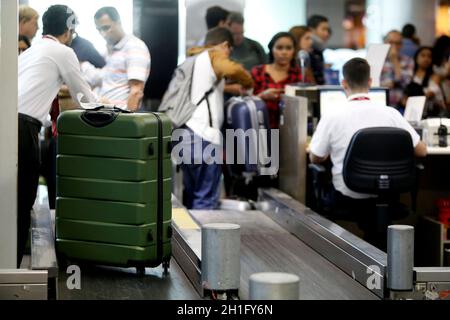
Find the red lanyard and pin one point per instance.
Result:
(50, 37)
(360, 99)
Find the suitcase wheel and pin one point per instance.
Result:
(63, 262)
(140, 271)
(166, 266)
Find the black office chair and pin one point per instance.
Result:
(381, 162)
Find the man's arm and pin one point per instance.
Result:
(225, 68)
(320, 143)
(317, 160)
(234, 89)
(72, 77)
(421, 150)
(138, 62)
(136, 94)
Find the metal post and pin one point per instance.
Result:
(400, 258)
(274, 286)
(221, 257)
(8, 134)
(293, 142)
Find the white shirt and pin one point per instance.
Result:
(127, 60)
(203, 79)
(336, 130)
(43, 69)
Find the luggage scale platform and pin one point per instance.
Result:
(265, 247)
(108, 283)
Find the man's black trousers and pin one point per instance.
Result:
(28, 178)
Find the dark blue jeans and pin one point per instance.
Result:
(201, 180)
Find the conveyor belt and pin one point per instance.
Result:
(266, 247)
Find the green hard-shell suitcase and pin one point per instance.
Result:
(114, 188)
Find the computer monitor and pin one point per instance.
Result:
(333, 100)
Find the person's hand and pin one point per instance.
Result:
(104, 100)
(235, 89)
(271, 94)
(429, 94)
(64, 91)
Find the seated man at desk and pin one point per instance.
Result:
(335, 130)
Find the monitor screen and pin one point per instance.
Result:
(333, 100)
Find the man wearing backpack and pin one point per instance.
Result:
(201, 178)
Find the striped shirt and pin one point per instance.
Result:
(127, 60)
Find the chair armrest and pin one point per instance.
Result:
(319, 177)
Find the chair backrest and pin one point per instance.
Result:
(380, 161)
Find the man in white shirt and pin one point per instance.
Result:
(335, 130)
(43, 69)
(122, 81)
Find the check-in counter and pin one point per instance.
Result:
(434, 181)
(293, 146)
